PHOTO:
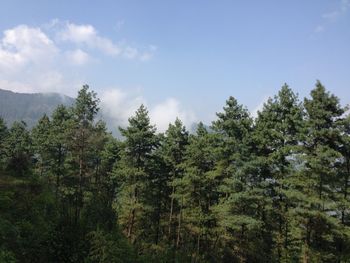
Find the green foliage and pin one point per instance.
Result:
(18, 149)
(110, 247)
(270, 189)
(134, 203)
(3, 137)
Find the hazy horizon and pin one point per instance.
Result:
(181, 59)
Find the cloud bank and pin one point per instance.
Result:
(31, 55)
(42, 59)
(117, 106)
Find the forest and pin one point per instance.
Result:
(274, 188)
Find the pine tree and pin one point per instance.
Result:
(59, 144)
(173, 151)
(277, 136)
(342, 192)
(41, 144)
(82, 131)
(18, 149)
(241, 196)
(194, 190)
(317, 180)
(133, 172)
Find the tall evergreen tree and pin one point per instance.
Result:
(317, 213)
(277, 136)
(173, 151)
(133, 172)
(59, 144)
(82, 130)
(241, 203)
(195, 193)
(41, 144)
(342, 192)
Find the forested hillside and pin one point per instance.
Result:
(29, 107)
(270, 189)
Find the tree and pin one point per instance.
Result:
(195, 193)
(3, 135)
(41, 144)
(133, 172)
(81, 132)
(318, 178)
(241, 205)
(342, 191)
(277, 135)
(173, 151)
(59, 143)
(18, 149)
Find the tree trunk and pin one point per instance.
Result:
(171, 211)
(179, 226)
(132, 221)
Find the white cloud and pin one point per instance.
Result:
(34, 59)
(16, 86)
(166, 112)
(31, 61)
(87, 36)
(117, 106)
(78, 57)
(23, 45)
(79, 33)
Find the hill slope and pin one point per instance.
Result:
(29, 107)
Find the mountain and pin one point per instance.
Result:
(29, 107)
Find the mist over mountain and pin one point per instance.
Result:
(29, 107)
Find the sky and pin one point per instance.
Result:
(180, 58)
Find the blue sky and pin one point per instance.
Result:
(180, 58)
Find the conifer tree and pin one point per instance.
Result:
(241, 197)
(316, 210)
(41, 144)
(342, 192)
(194, 190)
(18, 149)
(133, 172)
(59, 144)
(173, 151)
(81, 132)
(277, 136)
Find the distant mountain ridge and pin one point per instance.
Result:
(29, 107)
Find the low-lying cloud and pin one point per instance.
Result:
(118, 106)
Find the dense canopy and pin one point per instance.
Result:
(269, 189)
